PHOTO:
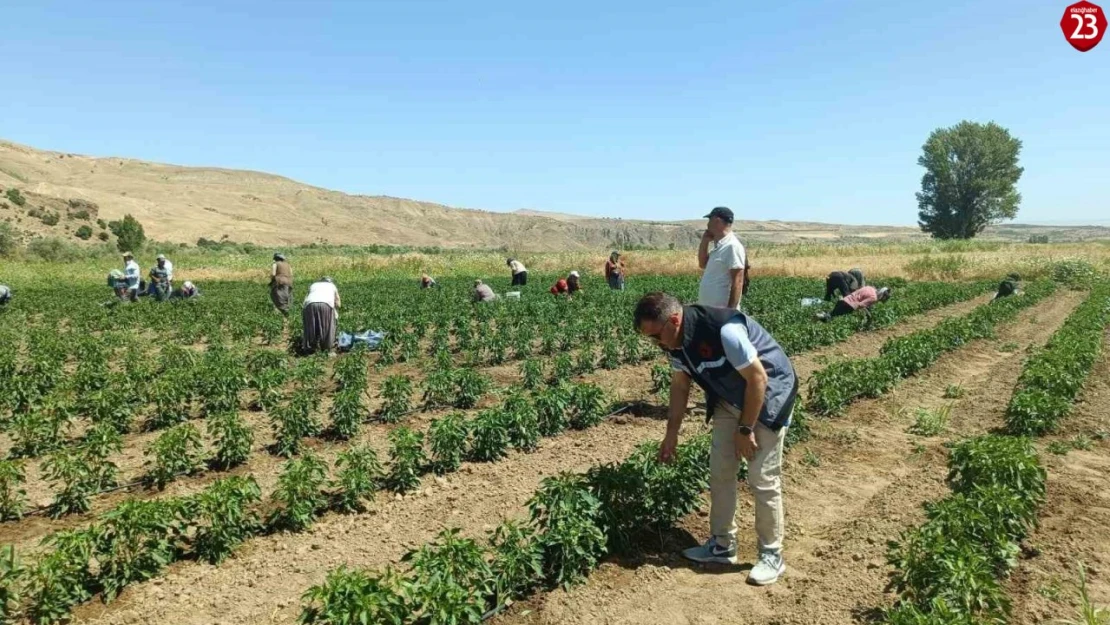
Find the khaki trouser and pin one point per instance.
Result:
(764, 479)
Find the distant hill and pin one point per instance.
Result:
(184, 204)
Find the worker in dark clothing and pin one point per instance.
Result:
(1010, 286)
(844, 282)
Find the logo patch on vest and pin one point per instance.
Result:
(705, 350)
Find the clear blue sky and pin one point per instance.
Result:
(652, 108)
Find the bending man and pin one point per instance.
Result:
(750, 388)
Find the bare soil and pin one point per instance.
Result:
(263, 582)
(857, 484)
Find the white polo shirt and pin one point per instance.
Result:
(321, 293)
(716, 280)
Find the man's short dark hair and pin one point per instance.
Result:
(655, 306)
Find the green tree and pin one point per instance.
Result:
(129, 233)
(970, 173)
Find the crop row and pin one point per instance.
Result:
(948, 570)
(842, 382)
(1053, 377)
(136, 540)
(574, 521)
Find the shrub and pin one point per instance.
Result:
(407, 459)
(176, 451)
(55, 250)
(447, 440)
(517, 564)
(103, 236)
(567, 517)
(13, 498)
(15, 197)
(135, 541)
(359, 474)
(397, 398)
(233, 437)
(489, 436)
(50, 219)
(129, 233)
(224, 517)
(353, 596)
(9, 244)
(299, 496)
(84, 233)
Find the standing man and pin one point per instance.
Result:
(722, 260)
(281, 283)
(520, 272)
(614, 271)
(131, 273)
(750, 389)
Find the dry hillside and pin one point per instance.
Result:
(183, 204)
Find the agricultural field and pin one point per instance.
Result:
(179, 463)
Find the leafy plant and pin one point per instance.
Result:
(953, 391)
(11, 578)
(531, 374)
(175, 452)
(347, 413)
(567, 517)
(359, 474)
(610, 354)
(517, 564)
(407, 459)
(588, 405)
(661, 381)
(930, 422)
(447, 441)
(135, 541)
(355, 597)
(397, 398)
(470, 386)
(233, 437)
(224, 517)
(293, 422)
(1087, 612)
(13, 498)
(489, 436)
(61, 578)
(562, 368)
(522, 421)
(299, 496)
(439, 388)
(79, 481)
(552, 409)
(450, 580)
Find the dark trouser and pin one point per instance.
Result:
(838, 281)
(319, 328)
(280, 295)
(520, 279)
(616, 282)
(841, 308)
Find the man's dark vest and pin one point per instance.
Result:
(703, 354)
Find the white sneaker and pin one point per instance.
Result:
(768, 569)
(711, 553)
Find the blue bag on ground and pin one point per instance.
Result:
(369, 338)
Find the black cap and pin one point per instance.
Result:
(724, 212)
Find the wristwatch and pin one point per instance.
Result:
(745, 430)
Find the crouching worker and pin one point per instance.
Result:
(187, 291)
(117, 281)
(750, 388)
(843, 283)
(427, 282)
(568, 287)
(5, 295)
(861, 299)
(482, 292)
(159, 286)
(320, 315)
(1010, 286)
